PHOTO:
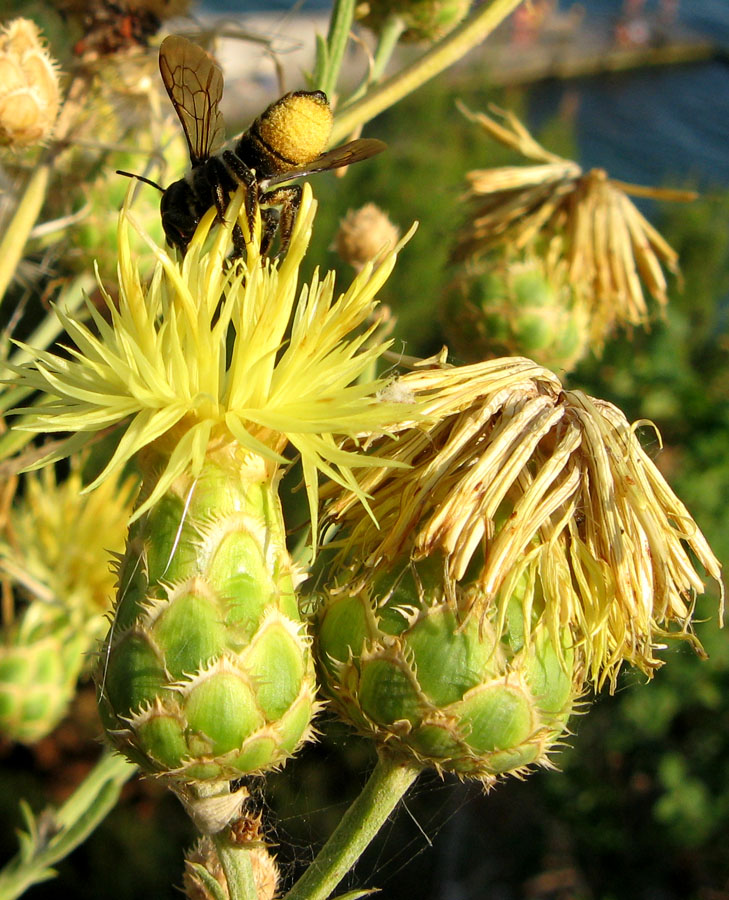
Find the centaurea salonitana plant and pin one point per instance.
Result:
(212, 369)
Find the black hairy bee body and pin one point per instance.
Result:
(287, 141)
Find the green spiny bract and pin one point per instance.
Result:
(39, 667)
(207, 672)
(440, 679)
(516, 307)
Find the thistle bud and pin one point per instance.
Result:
(245, 830)
(424, 20)
(516, 307)
(29, 90)
(363, 233)
(440, 679)
(207, 673)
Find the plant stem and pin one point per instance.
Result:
(55, 833)
(447, 51)
(340, 25)
(236, 862)
(20, 226)
(361, 822)
(392, 28)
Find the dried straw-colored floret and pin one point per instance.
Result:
(29, 86)
(612, 251)
(520, 476)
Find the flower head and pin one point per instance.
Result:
(610, 247)
(520, 482)
(29, 91)
(211, 352)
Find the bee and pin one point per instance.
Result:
(285, 142)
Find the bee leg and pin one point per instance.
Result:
(239, 242)
(220, 182)
(269, 224)
(247, 177)
(289, 199)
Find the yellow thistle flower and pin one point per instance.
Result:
(55, 565)
(165, 365)
(609, 246)
(211, 370)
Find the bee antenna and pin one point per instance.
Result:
(141, 178)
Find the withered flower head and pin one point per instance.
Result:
(611, 249)
(519, 476)
(29, 91)
(528, 549)
(363, 233)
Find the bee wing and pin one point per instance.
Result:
(195, 85)
(353, 152)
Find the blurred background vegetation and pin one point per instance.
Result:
(640, 805)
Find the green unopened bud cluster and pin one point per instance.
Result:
(39, 666)
(208, 674)
(423, 20)
(516, 307)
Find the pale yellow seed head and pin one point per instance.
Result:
(29, 89)
(363, 233)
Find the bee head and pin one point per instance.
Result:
(297, 127)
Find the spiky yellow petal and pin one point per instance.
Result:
(210, 352)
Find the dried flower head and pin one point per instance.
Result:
(610, 247)
(29, 90)
(363, 233)
(520, 478)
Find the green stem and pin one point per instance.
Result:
(54, 834)
(340, 26)
(236, 862)
(361, 822)
(20, 226)
(446, 52)
(392, 28)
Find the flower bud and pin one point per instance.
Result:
(29, 90)
(442, 681)
(207, 673)
(363, 233)
(516, 307)
(425, 20)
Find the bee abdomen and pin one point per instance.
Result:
(293, 131)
